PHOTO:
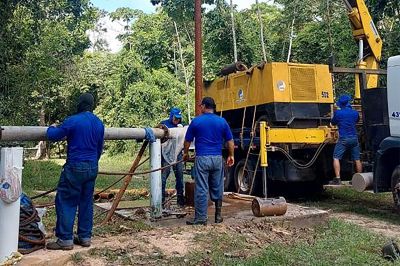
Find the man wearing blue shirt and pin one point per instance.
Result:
(209, 132)
(175, 119)
(346, 119)
(84, 133)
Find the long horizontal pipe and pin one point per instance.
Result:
(31, 133)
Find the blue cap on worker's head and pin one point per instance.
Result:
(176, 112)
(344, 100)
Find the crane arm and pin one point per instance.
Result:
(367, 36)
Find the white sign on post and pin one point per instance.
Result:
(11, 160)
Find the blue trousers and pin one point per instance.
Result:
(209, 179)
(75, 191)
(178, 172)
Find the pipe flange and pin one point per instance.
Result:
(166, 132)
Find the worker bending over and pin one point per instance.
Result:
(346, 119)
(85, 136)
(175, 120)
(209, 132)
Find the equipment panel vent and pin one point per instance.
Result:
(303, 84)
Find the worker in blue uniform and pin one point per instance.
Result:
(84, 133)
(174, 120)
(346, 119)
(210, 132)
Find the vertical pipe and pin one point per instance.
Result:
(265, 192)
(261, 32)
(235, 57)
(360, 64)
(10, 160)
(155, 163)
(360, 50)
(198, 75)
(290, 42)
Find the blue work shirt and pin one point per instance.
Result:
(346, 119)
(168, 123)
(85, 137)
(210, 133)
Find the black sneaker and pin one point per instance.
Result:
(56, 246)
(196, 222)
(335, 182)
(79, 242)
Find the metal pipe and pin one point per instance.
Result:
(362, 181)
(235, 57)
(360, 50)
(269, 207)
(31, 133)
(155, 163)
(348, 6)
(10, 162)
(198, 69)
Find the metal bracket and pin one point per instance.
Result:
(166, 132)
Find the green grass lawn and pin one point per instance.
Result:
(43, 175)
(376, 206)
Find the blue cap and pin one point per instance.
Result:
(344, 100)
(176, 112)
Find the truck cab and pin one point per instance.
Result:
(387, 157)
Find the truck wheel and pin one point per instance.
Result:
(243, 178)
(396, 187)
(229, 184)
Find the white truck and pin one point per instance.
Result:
(386, 159)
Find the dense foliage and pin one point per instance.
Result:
(45, 64)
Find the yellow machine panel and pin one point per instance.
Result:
(273, 82)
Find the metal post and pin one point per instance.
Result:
(198, 68)
(155, 177)
(265, 192)
(10, 162)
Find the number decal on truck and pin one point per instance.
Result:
(396, 114)
(325, 94)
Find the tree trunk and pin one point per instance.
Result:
(42, 151)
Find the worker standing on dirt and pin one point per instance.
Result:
(175, 120)
(209, 132)
(346, 119)
(84, 132)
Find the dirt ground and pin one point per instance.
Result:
(170, 242)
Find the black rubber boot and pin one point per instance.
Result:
(196, 222)
(218, 208)
(180, 201)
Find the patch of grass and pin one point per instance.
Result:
(377, 206)
(120, 226)
(115, 256)
(40, 175)
(217, 249)
(77, 258)
(339, 243)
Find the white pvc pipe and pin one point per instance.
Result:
(362, 181)
(32, 133)
(10, 160)
(155, 177)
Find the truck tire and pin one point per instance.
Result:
(243, 179)
(229, 184)
(396, 187)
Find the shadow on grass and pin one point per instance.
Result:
(377, 206)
